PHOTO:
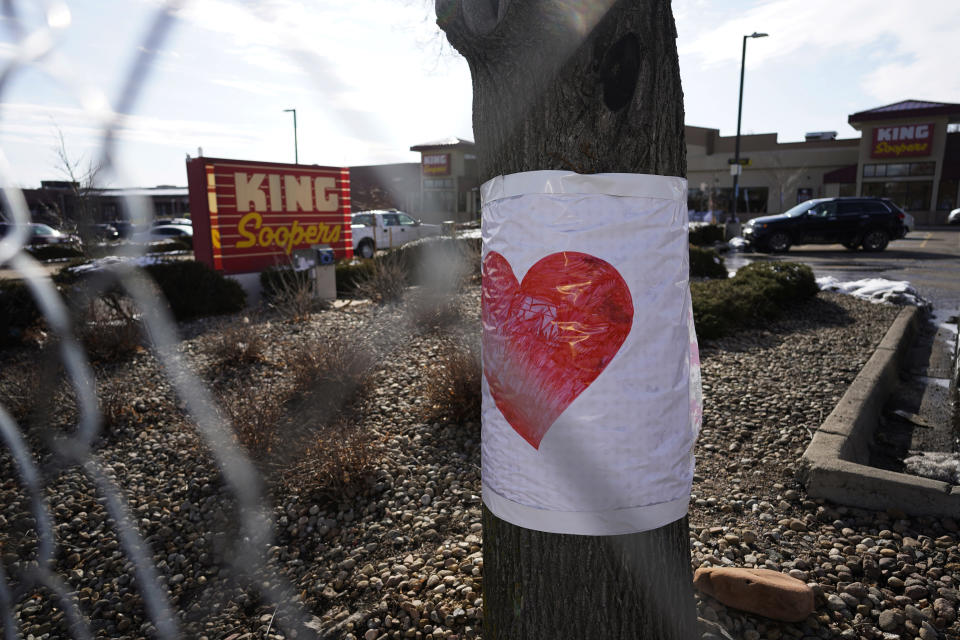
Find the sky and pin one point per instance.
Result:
(371, 78)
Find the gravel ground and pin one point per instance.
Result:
(399, 555)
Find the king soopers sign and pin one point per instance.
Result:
(899, 141)
(248, 216)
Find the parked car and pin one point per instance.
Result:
(42, 234)
(164, 232)
(909, 224)
(127, 229)
(853, 222)
(101, 232)
(179, 221)
(387, 229)
(954, 217)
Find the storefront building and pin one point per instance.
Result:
(908, 151)
(449, 185)
(775, 175)
(62, 203)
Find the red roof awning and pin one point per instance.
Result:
(906, 109)
(843, 174)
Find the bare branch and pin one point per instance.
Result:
(84, 180)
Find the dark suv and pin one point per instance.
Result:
(853, 222)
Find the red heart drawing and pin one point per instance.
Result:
(547, 339)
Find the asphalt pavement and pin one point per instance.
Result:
(922, 413)
(927, 258)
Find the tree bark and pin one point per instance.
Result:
(591, 87)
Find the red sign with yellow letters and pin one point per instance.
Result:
(436, 164)
(248, 216)
(902, 141)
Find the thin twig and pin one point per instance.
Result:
(267, 632)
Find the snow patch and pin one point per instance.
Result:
(878, 290)
(737, 243)
(100, 264)
(934, 465)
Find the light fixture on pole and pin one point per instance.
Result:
(736, 154)
(296, 157)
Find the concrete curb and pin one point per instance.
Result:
(834, 466)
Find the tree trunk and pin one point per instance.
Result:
(591, 87)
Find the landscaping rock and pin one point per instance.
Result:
(761, 591)
(766, 389)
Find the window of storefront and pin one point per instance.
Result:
(899, 169)
(947, 195)
(912, 196)
(438, 183)
(439, 201)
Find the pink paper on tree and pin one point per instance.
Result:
(591, 388)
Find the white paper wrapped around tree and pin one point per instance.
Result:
(591, 388)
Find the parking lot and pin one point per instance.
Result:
(927, 258)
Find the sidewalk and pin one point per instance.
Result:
(921, 413)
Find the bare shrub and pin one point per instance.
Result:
(429, 310)
(291, 293)
(336, 459)
(472, 254)
(386, 281)
(309, 436)
(107, 327)
(35, 391)
(112, 340)
(257, 422)
(339, 361)
(117, 407)
(327, 376)
(20, 391)
(238, 346)
(447, 266)
(453, 388)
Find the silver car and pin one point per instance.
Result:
(954, 217)
(908, 223)
(164, 232)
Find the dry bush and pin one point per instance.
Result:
(238, 346)
(117, 407)
(39, 395)
(429, 310)
(308, 435)
(335, 369)
(443, 270)
(291, 293)
(448, 266)
(108, 328)
(386, 281)
(116, 410)
(20, 391)
(257, 422)
(472, 271)
(335, 460)
(453, 389)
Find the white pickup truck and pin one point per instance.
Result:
(387, 229)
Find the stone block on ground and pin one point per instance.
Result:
(761, 591)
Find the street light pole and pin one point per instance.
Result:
(296, 157)
(736, 153)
